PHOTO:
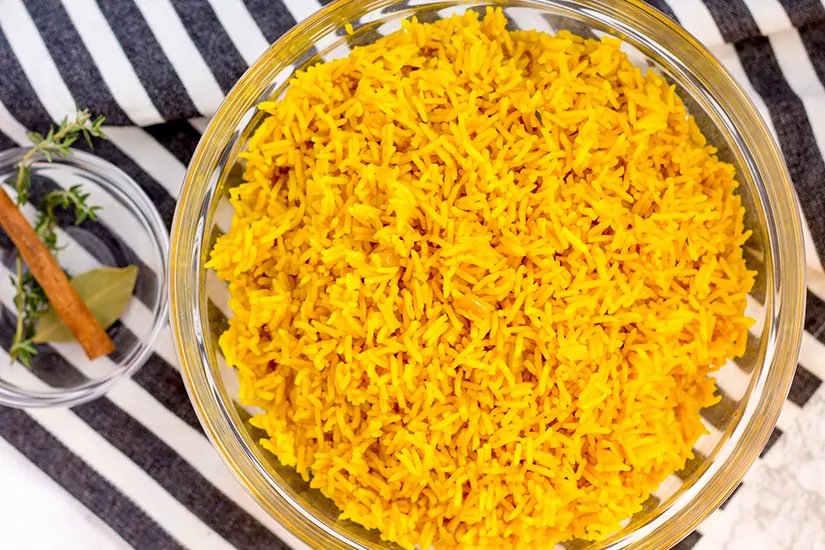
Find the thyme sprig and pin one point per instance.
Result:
(30, 300)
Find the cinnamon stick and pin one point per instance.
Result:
(86, 329)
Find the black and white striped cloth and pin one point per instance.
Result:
(134, 469)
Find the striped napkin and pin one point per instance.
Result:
(134, 469)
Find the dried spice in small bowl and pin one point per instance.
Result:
(49, 305)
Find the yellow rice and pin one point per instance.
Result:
(479, 280)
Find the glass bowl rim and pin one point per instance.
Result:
(121, 186)
(778, 200)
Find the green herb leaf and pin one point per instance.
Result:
(23, 185)
(24, 351)
(105, 291)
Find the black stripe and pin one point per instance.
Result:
(692, 465)
(793, 129)
(753, 254)
(735, 21)
(153, 68)
(803, 387)
(16, 92)
(76, 66)
(428, 13)
(813, 37)
(749, 359)
(400, 5)
(177, 476)
(649, 505)
(82, 482)
(775, 435)
(688, 542)
(211, 39)
(159, 196)
(157, 459)
(560, 22)
(179, 137)
(720, 414)
(663, 7)
(804, 12)
(815, 316)
(363, 35)
(6, 142)
(730, 497)
(272, 17)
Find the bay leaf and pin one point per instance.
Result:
(105, 291)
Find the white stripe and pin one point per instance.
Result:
(733, 380)
(118, 470)
(755, 311)
(199, 123)
(223, 214)
(241, 28)
(790, 411)
(668, 487)
(524, 18)
(695, 17)
(35, 60)
(150, 155)
(193, 71)
(770, 16)
(708, 442)
(114, 65)
(707, 543)
(13, 129)
(301, 9)
(218, 293)
(71, 525)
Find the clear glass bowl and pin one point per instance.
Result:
(128, 231)
(753, 387)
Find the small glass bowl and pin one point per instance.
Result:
(752, 387)
(128, 231)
